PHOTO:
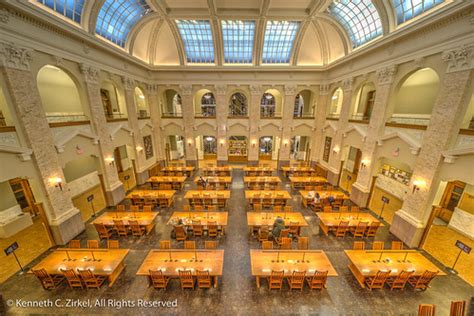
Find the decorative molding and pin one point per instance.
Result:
(15, 57)
(270, 124)
(118, 127)
(128, 83)
(4, 17)
(186, 89)
(358, 129)
(347, 84)
(65, 138)
(255, 89)
(324, 89)
(331, 125)
(220, 89)
(412, 143)
(386, 75)
(459, 59)
(91, 74)
(23, 153)
(420, 62)
(451, 155)
(152, 89)
(290, 89)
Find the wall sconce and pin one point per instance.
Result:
(364, 163)
(417, 184)
(254, 143)
(190, 142)
(335, 149)
(285, 142)
(222, 142)
(57, 182)
(110, 161)
(139, 148)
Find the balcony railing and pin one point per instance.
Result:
(333, 116)
(65, 118)
(270, 114)
(304, 116)
(238, 116)
(171, 114)
(205, 115)
(410, 120)
(116, 117)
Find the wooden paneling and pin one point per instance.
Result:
(131, 182)
(85, 207)
(467, 203)
(389, 210)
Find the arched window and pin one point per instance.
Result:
(408, 9)
(208, 104)
(299, 105)
(267, 105)
(238, 106)
(141, 103)
(335, 103)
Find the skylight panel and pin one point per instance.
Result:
(238, 38)
(117, 17)
(71, 9)
(408, 9)
(197, 40)
(360, 18)
(278, 41)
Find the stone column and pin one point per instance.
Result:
(320, 119)
(64, 219)
(114, 190)
(287, 124)
(335, 156)
(188, 121)
(138, 147)
(361, 188)
(256, 92)
(221, 121)
(446, 118)
(156, 122)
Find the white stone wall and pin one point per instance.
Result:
(83, 184)
(10, 214)
(392, 186)
(462, 222)
(9, 139)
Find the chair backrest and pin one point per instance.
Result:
(297, 277)
(355, 208)
(70, 274)
(378, 245)
(457, 308)
(267, 244)
(284, 233)
(189, 244)
(373, 228)
(303, 243)
(165, 244)
(379, 279)
(397, 245)
(180, 232)
(134, 208)
(277, 276)
(403, 276)
(113, 244)
(285, 243)
(101, 230)
(93, 244)
(343, 209)
(426, 310)
(425, 279)
(157, 276)
(318, 279)
(147, 208)
(75, 243)
(361, 228)
(277, 208)
(358, 245)
(118, 223)
(185, 275)
(120, 208)
(186, 208)
(288, 208)
(210, 244)
(42, 275)
(327, 208)
(203, 275)
(86, 275)
(135, 227)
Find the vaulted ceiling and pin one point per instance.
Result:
(240, 32)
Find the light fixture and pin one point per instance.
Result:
(334, 97)
(268, 96)
(207, 96)
(190, 142)
(222, 142)
(57, 182)
(335, 149)
(364, 163)
(254, 143)
(209, 138)
(141, 96)
(285, 142)
(139, 148)
(417, 184)
(110, 160)
(267, 139)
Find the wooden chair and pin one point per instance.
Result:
(359, 231)
(284, 233)
(165, 244)
(103, 231)
(378, 245)
(317, 281)
(355, 208)
(342, 229)
(426, 310)
(136, 229)
(210, 244)
(378, 281)
(186, 208)
(220, 202)
(186, 279)
(358, 245)
(91, 280)
(203, 279)
(327, 209)
(285, 243)
(163, 203)
(212, 208)
(73, 279)
(93, 244)
(120, 228)
(263, 233)
(189, 244)
(48, 281)
(277, 208)
(303, 243)
(275, 282)
(197, 229)
(294, 229)
(257, 207)
(399, 281)
(422, 282)
(372, 229)
(212, 230)
(458, 308)
(344, 209)
(113, 244)
(288, 208)
(397, 245)
(296, 281)
(180, 233)
(267, 245)
(158, 280)
(198, 208)
(75, 243)
(120, 208)
(147, 208)
(134, 208)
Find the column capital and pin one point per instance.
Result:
(324, 89)
(459, 59)
(256, 89)
(221, 89)
(91, 74)
(386, 75)
(152, 89)
(128, 83)
(347, 84)
(290, 89)
(12, 56)
(186, 89)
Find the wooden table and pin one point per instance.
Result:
(172, 260)
(144, 219)
(220, 218)
(216, 181)
(279, 196)
(258, 171)
(259, 219)
(301, 182)
(257, 181)
(141, 196)
(177, 183)
(290, 170)
(208, 197)
(330, 220)
(173, 170)
(308, 196)
(264, 261)
(111, 262)
(366, 263)
(225, 171)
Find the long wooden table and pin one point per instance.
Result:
(208, 197)
(154, 196)
(108, 262)
(170, 261)
(258, 181)
(225, 171)
(264, 261)
(366, 263)
(220, 218)
(308, 196)
(290, 170)
(144, 219)
(258, 219)
(301, 182)
(258, 171)
(177, 183)
(330, 220)
(173, 170)
(279, 196)
(216, 181)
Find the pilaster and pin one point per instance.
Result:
(188, 121)
(155, 122)
(221, 121)
(256, 92)
(287, 124)
(320, 118)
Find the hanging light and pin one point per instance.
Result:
(268, 96)
(209, 138)
(207, 96)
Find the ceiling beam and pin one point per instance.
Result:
(216, 32)
(323, 41)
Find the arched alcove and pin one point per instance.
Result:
(238, 105)
(304, 104)
(141, 103)
(172, 105)
(204, 103)
(364, 101)
(112, 101)
(335, 103)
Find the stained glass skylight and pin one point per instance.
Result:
(117, 17)
(197, 40)
(71, 9)
(360, 18)
(278, 41)
(238, 38)
(408, 9)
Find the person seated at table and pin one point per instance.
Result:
(331, 199)
(278, 226)
(181, 224)
(202, 182)
(317, 198)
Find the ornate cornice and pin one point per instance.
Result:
(15, 57)
(386, 75)
(128, 83)
(4, 17)
(91, 74)
(290, 89)
(221, 89)
(255, 89)
(324, 89)
(347, 84)
(152, 89)
(459, 59)
(186, 89)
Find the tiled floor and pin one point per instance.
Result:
(237, 292)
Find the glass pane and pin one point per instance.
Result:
(197, 39)
(278, 41)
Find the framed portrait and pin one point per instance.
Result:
(148, 144)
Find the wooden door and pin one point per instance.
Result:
(358, 156)
(452, 195)
(118, 160)
(24, 195)
(370, 104)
